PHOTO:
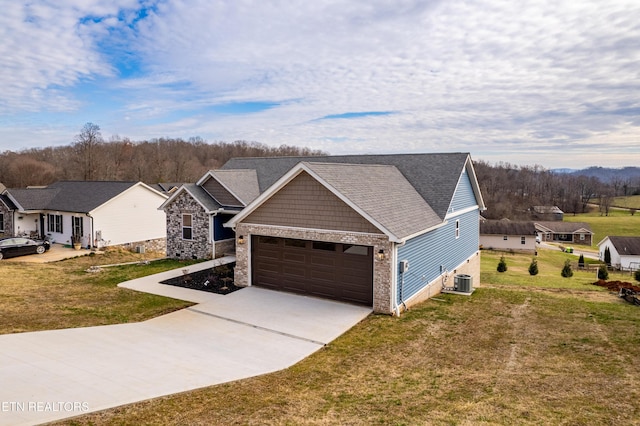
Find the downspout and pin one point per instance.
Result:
(212, 224)
(395, 279)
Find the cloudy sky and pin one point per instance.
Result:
(549, 82)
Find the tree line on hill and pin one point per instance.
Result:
(90, 157)
(508, 190)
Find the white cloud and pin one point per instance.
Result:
(493, 76)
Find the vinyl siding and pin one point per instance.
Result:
(464, 196)
(221, 233)
(426, 253)
(430, 254)
(130, 217)
(220, 194)
(305, 203)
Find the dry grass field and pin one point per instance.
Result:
(522, 350)
(62, 295)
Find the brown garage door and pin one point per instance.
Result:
(335, 271)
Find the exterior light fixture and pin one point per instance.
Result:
(380, 255)
(241, 239)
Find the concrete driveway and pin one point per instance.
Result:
(52, 375)
(55, 253)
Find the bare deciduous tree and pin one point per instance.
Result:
(86, 145)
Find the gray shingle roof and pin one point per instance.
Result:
(69, 196)
(626, 246)
(382, 192)
(563, 227)
(202, 196)
(434, 176)
(506, 227)
(243, 183)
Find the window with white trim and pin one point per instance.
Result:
(457, 228)
(505, 238)
(187, 226)
(54, 223)
(523, 240)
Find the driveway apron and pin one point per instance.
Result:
(51, 375)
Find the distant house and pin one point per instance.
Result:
(97, 213)
(546, 213)
(507, 235)
(565, 232)
(196, 213)
(625, 251)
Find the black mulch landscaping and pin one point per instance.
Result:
(215, 280)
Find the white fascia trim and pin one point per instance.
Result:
(392, 237)
(318, 230)
(424, 231)
(204, 177)
(475, 184)
(288, 177)
(183, 188)
(171, 197)
(263, 197)
(14, 201)
(461, 212)
(165, 196)
(542, 227)
(121, 194)
(212, 174)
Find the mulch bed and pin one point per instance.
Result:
(215, 280)
(627, 291)
(616, 285)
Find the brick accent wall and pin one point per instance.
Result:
(200, 246)
(382, 270)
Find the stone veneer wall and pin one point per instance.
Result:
(8, 221)
(382, 270)
(470, 267)
(156, 245)
(200, 247)
(224, 247)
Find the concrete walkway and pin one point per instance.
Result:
(52, 375)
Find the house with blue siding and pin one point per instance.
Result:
(386, 231)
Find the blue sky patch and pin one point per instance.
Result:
(349, 115)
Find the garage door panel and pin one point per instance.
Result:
(294, 271)
(325, 261)
(322, 274)
(294, 257)
(331, 270)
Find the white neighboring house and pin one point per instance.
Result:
(507, 235)
(99, 213)
(625, 252)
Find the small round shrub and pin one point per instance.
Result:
(502, 265)
(533, 267)
(603, 274)
(566, 270)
